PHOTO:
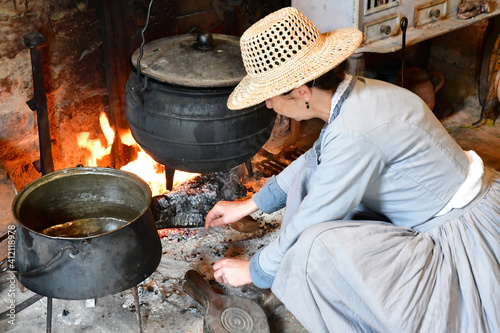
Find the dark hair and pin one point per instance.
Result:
(330, 80)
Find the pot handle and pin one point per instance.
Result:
(142, 43)
(200, 290)
(137, 91)
(440, 76)
(6, 262)
(192, 287)
(74, 252)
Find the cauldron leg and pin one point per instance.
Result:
(248, 164)
(137, 307)
(49, 314)
(169, 175)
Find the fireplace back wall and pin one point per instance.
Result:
(86, 65)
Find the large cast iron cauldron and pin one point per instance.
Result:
(85, 233)
(176, 104)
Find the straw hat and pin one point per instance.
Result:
(283, 51)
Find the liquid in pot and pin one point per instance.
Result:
(84, 227)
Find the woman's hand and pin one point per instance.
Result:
(234, 272)
(225, 212)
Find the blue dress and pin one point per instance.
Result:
(360, 248)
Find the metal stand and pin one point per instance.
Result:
(49, 314)
(20, 307)
(33, 299)
(248, 164)
(169, 175)
(137, 307)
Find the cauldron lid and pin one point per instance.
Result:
(181, 60)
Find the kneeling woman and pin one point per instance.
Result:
(389, 225)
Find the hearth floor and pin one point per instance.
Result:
(164, 305)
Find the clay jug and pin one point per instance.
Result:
(419, 82)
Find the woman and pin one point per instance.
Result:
(389, 225)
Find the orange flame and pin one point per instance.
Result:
(98, 151)
(143, 166)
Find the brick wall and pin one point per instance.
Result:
(87, 64)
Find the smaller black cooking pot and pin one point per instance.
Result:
(85, 233)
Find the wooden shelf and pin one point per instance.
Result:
(422, 33)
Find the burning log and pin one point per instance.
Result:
(188, 204)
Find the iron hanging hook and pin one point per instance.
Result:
(139, 89)
(141, 53)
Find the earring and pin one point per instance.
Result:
(307, 105)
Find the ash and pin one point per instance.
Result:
(198, 249)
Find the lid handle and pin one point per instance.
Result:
(204, 40)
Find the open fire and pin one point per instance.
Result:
(193, 195)
(143, 166)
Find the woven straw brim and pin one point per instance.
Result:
(330, 50)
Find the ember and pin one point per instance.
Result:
(184, 232)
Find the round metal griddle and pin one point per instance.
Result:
(225, 313)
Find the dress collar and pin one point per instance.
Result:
(337, 95)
